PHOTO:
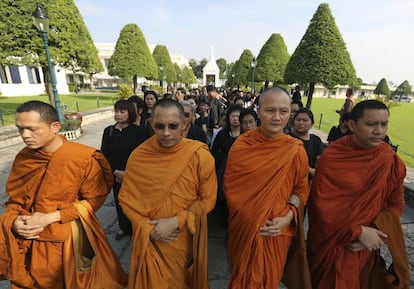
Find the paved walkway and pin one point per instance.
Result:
(218, 265)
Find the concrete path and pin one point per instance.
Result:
(218, 265)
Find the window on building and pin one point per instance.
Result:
(106, 63)
(37, 75)
(15, 74)
(33, 74)
(3, 75)
(30, 75)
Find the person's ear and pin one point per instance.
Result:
(55, 126)
(351, 125)
(187, 121)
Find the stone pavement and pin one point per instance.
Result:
(93, 127)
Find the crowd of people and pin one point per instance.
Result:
(174, 160)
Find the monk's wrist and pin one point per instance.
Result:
(294, 200)
(53, 217)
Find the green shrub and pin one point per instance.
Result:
(70, 124)
(125, 90)
(156, 88)
(71, 87)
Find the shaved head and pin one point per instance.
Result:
(272, 91)
(274, 111)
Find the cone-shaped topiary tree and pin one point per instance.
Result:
(132, 56)
(272, 61)
(241, 69)
(382, 88)
(162, 59)
(70, 43)
(321, 56)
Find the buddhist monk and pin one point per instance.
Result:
(169, 187)
(265, 184)
(49, 179)
(356, 199)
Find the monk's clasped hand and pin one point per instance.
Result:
(25, 230)
(371, 238)
(165, 229)
(274, 226)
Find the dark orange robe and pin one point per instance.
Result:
(41, 181)
(351, 187)
(162, 183)
(261, 174)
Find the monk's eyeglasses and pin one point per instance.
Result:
(162, 126)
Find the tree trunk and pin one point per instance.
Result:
(48, 85)
(134, 84)
(91, 81)
(266, 84)
(310, 95)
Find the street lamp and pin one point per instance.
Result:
(162, 78)
(253, 64)
(233, 75)
(41, 21)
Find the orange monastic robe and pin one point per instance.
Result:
(162, 183)
(261, 174)
(41, 181)
(351, 187)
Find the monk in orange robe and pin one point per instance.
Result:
(169, 187)
(264, 183)
(356, 196)
(48, 178)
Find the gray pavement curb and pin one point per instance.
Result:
(9, 135)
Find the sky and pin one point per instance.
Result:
(379, 34)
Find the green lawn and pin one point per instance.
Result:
(400, 126)
(72, 102)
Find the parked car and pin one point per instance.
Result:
(403, 98)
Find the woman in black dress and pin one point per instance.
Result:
(118, 141)
(302, 123)
(220, 150)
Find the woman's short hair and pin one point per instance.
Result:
(249, 111)
(231, 109)
(138, 101)
(124, 104)
(305, 111)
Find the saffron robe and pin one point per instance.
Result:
(162, 183)
(261, 174)
(42, 181)
(351, 187)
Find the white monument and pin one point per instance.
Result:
(211, 71)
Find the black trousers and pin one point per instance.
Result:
(124, 223)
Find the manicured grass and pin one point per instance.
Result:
(83, 101)
(400, 127)
(399, 130)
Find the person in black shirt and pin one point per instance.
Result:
(302, 123)
(118, 141)
(150, 98)
(296, 94)
(340, 130)
(191, 131)
(220, 150)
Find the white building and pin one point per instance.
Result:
(105, 51)
(211, 71)
(24, 80)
